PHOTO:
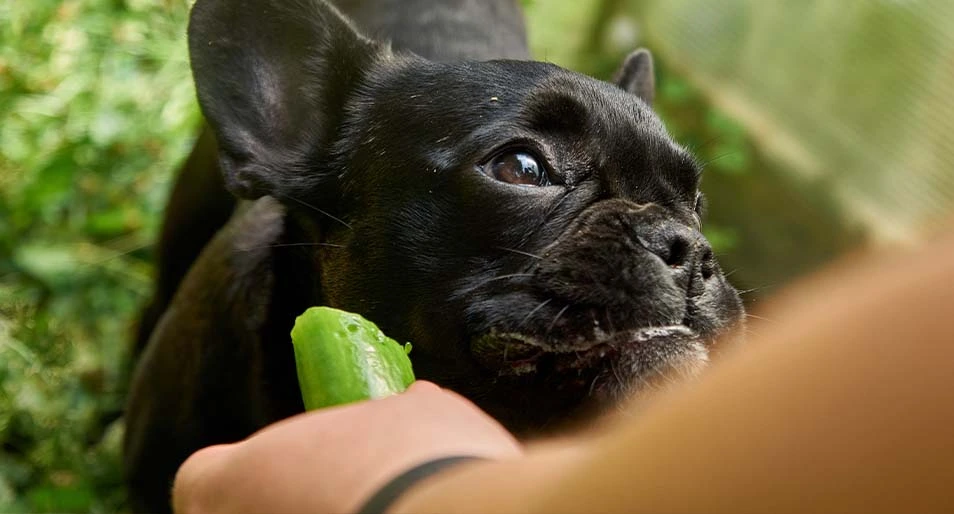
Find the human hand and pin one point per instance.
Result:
(333, 460)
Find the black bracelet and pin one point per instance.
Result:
(386, 496)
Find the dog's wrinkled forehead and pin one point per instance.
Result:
(459, 114)
(614, 131)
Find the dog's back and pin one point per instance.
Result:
(448, 30)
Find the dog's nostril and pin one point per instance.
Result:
(708, 264)
(677, 253)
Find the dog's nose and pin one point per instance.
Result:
(679, 246)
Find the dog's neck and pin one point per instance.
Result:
(444, 30)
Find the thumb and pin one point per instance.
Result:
(423, 387)
(191, 487)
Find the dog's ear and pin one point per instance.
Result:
(636, 75)
(272, 79)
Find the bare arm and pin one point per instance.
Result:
(846, 406)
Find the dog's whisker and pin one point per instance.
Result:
(286, 245)
(555, 318)
(752, 290)
(609, 321)
(320, 211)
(534, 311)
(718, 158)
(512, 275)
(118, 255)
(593, 385)
(711, 141)
(554, 208)
(616, 374)
(519, 252)
(751, 333)
(546, 218)
(760, 318)
(701, 170)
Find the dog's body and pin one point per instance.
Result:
(532, 231)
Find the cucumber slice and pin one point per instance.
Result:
(343, 358)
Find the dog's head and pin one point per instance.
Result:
(534, 232)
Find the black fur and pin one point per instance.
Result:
(365, 167)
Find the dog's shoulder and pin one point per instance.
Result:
(209, 339)
(234, 276)
(249, 239)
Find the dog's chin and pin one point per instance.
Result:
(606, 367)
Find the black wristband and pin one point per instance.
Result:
(386, 496)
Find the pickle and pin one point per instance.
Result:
(343, 358)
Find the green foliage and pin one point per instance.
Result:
(97, 107)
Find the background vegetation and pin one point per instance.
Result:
(96, 111)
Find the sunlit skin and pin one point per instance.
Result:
(843, 403)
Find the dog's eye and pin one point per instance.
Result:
(518, 168)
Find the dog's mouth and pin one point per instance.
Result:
(577, 375)
(629, 353)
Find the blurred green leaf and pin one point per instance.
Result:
(51, 184)
(50, 264)
(722, 239)
(675, 90)
(71, 498)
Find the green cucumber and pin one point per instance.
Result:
(343, 358)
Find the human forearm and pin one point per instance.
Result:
(499, 486)
(846, 407)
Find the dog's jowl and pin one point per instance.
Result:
(534, 232)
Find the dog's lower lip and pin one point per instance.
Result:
(519, 354)
(648, 333)
(622, 343)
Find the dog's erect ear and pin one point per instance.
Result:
(272, 79)
(636, 75)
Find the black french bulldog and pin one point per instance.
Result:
(533, 231)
